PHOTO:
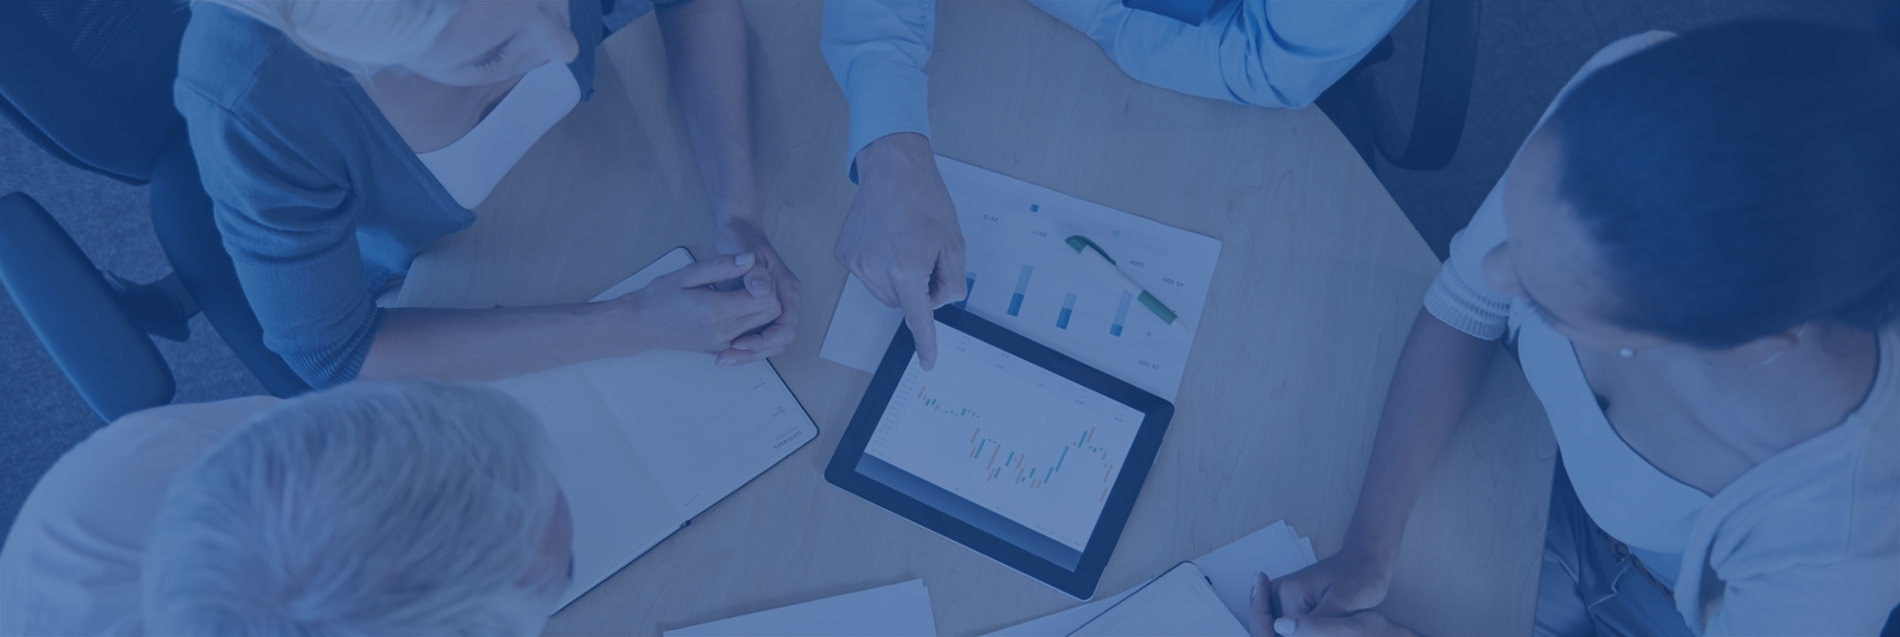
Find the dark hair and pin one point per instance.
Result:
(1740, 180)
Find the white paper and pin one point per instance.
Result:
(898, 610)
(1061, 623)
(1028, 280)
(646, 443)
(1180, 603)
(1276, 550)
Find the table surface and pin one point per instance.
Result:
(1319, 278)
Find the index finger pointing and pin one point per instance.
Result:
(923, 326)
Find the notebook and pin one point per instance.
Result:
(1181, 603)
(644, 444)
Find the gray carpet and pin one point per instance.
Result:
(41, 415)
(1528, 49)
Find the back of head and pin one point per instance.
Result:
(405, 508)
(1741, 180)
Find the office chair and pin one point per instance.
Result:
(1363, 112)
(90, 81)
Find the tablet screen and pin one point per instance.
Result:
(1011, 448)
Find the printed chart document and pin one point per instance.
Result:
(1022, 276)
(898, 610)
(1179, 603)
(644, 444)
(1276, 550)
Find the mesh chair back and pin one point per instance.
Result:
(91, 80)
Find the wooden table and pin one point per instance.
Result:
(1319, 278)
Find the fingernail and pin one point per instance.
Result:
(1285, 625)
(1255, 592)
(726, 362)
(757, 287)
(743, 260)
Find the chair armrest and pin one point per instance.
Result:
(1444, 90)
(76, 314)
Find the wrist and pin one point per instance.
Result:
(892, 150)
(1366, 548)
(621, 324)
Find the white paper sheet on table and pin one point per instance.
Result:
(898, 610)
(1025, 278)
(1179, 603)
(1276, 550)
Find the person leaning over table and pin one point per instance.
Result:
(901, 237)
(338, 139)
(1697, 254)
(408, 508)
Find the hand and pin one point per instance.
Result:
(746, 237)
(1263, 620)
(901, 237)
(1344, 583)
(681, 310)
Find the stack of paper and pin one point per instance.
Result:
(1276, 550)
(1180, 603)
(898, 610)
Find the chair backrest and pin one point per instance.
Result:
(91, 80)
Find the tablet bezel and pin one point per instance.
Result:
(1080, 582)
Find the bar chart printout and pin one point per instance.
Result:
(1008, 436)
(1022, 276)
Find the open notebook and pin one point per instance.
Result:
(646, 443)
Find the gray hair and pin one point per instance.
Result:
(371, 508)
(361, 36)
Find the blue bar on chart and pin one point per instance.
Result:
(1121, 314)
(1022, 286)
(969, 288)
(1068, 307)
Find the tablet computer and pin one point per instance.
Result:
(1007, 447)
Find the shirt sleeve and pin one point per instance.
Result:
(1279, 53)
(1459, 296)
(291, 234)
(876, 50)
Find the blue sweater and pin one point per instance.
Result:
(320, 201)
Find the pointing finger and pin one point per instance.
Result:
(923, 327)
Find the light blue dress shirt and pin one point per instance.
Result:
(1280, 53)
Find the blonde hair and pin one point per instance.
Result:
(408, 508)
(361, 36)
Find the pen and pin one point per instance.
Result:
(1084, 247)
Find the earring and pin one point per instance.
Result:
(1626, 353)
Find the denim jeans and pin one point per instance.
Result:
(1591, 585)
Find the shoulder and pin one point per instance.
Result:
(1816, 527)
(233, 68)
(224, 52)
(71, 561)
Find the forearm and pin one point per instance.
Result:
(497, 343)
(1439, 370)
(706, 52)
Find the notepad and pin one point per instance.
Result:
(1180, 603)
(644, 444)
